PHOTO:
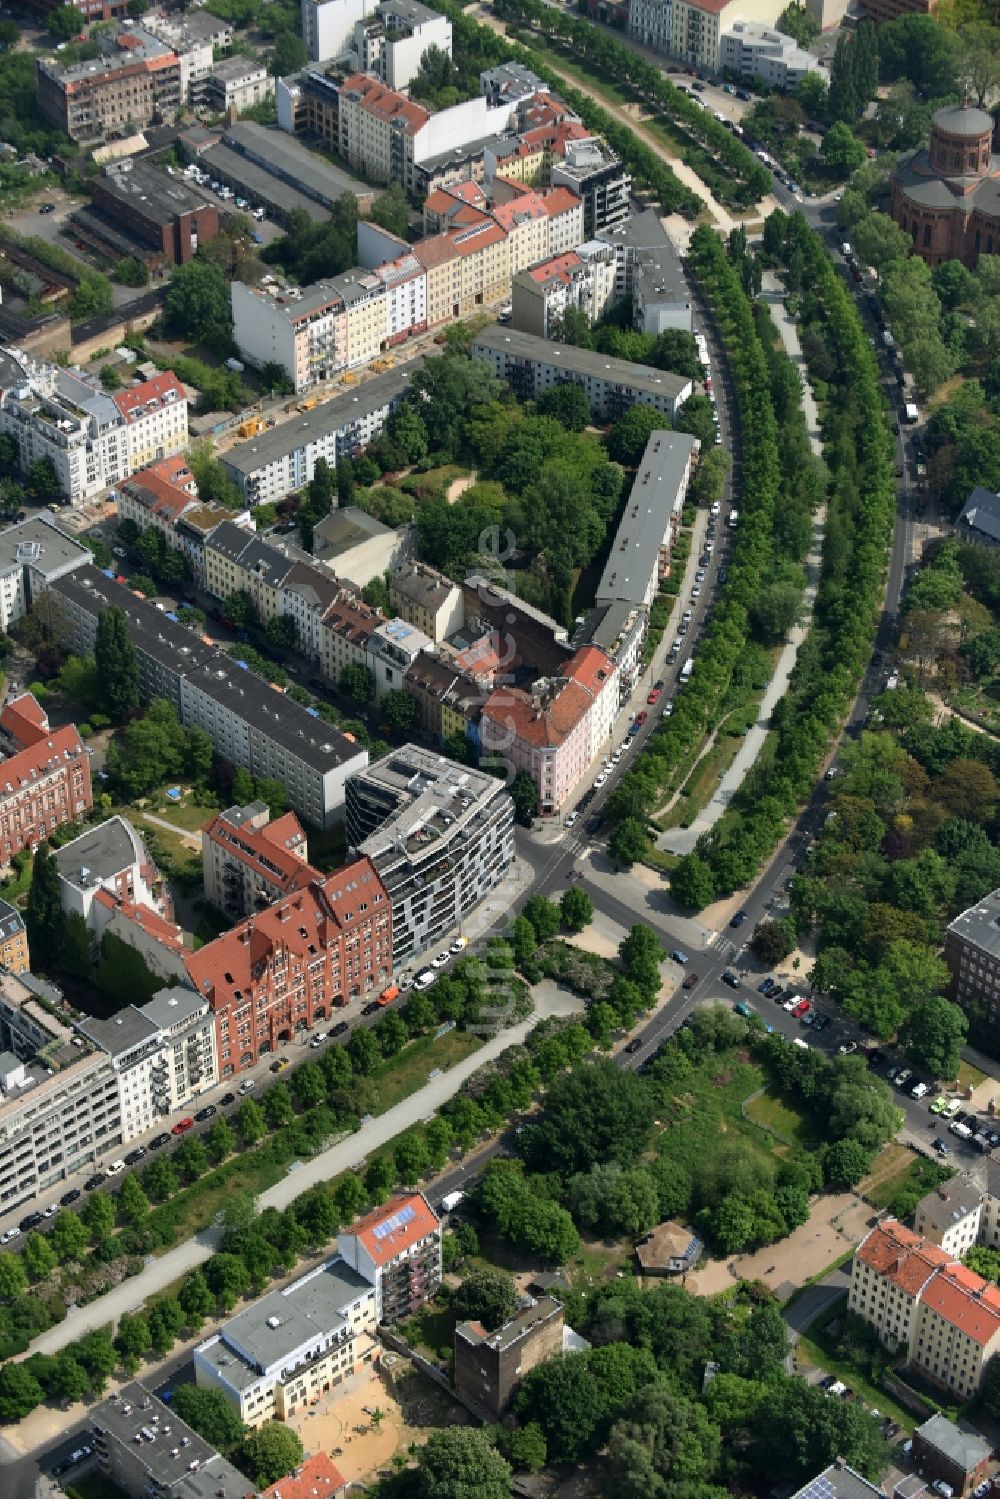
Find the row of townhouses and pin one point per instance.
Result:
(92, 438)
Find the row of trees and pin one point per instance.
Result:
(860, 515)
(698, 707)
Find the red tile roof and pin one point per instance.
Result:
(525, 206)
(471, 241)
(435, 251)
(145, 918)
(404, 1220)
(544, 724)
(481, 658)
(592, 668)
(384, 103)
(266, 849)
(966, 1301)
(24, 719)
(560, 200)
(173, 470)
(906, 1259)
(556, 268)
(317, 1477)
(168, 500)
(157, 389)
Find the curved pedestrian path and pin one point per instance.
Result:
(683, 840)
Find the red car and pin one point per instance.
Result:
(690, 981)
(182, 1126)
(653, 696)
(801, 1008)
(641, 717)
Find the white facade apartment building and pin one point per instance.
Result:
(287, 1349)
(158, 1070)
(756, 51)
(405, 282)
(238, 83)
(697, 26)
(33, 555)
(581, 279)
(392, 649)
(651, 23)
(397, 1249)
(92, 439)
(328, 25)
(304, 330)
(391, 42)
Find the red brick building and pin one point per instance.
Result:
(289, 967)
(45, 779)
(158, 217)
(947, 197)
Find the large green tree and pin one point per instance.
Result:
(117, 665)
(268, 1453)
(461, 1463)
(43, 914)
(210, 1414)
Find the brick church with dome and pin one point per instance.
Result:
(947, 197)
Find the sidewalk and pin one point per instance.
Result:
(344, 1156)
(683, 840)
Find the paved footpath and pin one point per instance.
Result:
(683, 840)
(169, 1267)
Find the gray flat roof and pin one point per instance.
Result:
(127, 1029)
(606, 625)
(305, 1309)
(281, 154)
(980, 924)
(524, 1321)
(152, 192)
(234, 68)
(312, 740)
(966, 1448)
(39, 543)
(103, 851)
(981, 512)
(224, 162)
(347, 406)
(167, 1446)
(584, 362)
(172, 1005)
(635, 549)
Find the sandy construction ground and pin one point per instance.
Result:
(835, 1224)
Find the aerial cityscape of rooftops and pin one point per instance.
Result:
(500, 749)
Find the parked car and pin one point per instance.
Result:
(182, 1126)
(459, 945)
(731, 978)
(115, 1169)
(206, 1113)
(94, 1181)
(902, 1078)
(571, 819)
(441, 959)
(653, 696)
(341, 1026)
(690, 981)
(135, 1156)
(847, 1048)
(634, 1046)
(68, 1198)
(159, 1140)
(738, 919)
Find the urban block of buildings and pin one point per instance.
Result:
(44, 776)
(134, 83)
(295, 1345)
(33, 554)
(164, 497)
(693, 30)
(138, 210)
(93, 439)
(273, 171)
(249, 722)
(947, 196)
(921, 1300)
(757, 51)
(439, 835)
(249, 861)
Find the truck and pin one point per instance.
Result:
(388, 995)
(910, 413)
(686, 670)
(451, 1201)
(733, 519)
(888, 339)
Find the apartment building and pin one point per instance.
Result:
(304, 330)
(32, 555)
(110, 857)
(237, 83)
(328, 25)
(448, 700)
(426, 598)
(265, 732)
(292, 964)
(242, 561)
(697, 26)
(393, 646)
(951, 1216)
(348, 626)
(640, 554)
(397, 1250)
(489, 1366)
(136, 84)
(405, 283)
(358, 547)
(283, 458)
(756, 51)
(521, 643)
(290, 1347)
(440, 835)
(163, 1056)
(651, 23)
(249, 722)
(390, 42)
(14, 955)
(57, 1114)
(92, 439)
(197, 37)
(945, 1451)
(143, 1447)
(509, 83)
(648, 270)
(581, 280)
(248, 861)
(137, 209)
(170, 505)
(44, 776)
(531, 365)
(918, 1297)
(592, 171)
(553, 729)
(972, 952)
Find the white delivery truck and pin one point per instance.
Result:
(450, 1202)
(910, 413)
(733, 519)
(687, 669)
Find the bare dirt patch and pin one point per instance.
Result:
(341, 1423)
(458, 486)
(835, 1223)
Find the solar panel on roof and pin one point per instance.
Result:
(382, 1230)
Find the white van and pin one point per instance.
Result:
(424, 979)
(115, 1168)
